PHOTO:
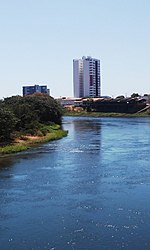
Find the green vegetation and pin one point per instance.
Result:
(101, 114)
(26, 142)
(10, 149)
(7, 123)
(25, 121)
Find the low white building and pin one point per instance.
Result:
(68, 101)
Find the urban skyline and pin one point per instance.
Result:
(40, 50)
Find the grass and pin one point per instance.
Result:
(102, 114)
(10, 149)
(25, 142)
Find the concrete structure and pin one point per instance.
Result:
(69, 101)
(29, 90)
(86, 77)
(146, 97)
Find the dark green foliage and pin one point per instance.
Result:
(45, 107)
(135, 95)
(7, 124)
(31, 111)
(120, 97)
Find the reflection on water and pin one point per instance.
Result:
(5, 163)
(89, 190)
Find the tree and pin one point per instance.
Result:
(33, 109)
(135, 95)
(120, 97)
(45, 107)
(7, 124)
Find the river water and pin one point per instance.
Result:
(89, 190)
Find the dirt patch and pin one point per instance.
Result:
(26, 138)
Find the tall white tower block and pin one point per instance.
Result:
(86, 77)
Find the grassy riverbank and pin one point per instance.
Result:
(101, 114)
(25, 142)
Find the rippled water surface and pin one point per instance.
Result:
(90, 190)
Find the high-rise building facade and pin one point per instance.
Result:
(29, 90)
(86, 77)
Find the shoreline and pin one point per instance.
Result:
(101, 114)
(26, 142)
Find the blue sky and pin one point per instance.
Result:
(40, 38)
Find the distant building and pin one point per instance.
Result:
(117, 105)
(86, 77)
(69, 101)
(29, 90)
(146, 97)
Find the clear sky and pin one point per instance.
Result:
(40, 38)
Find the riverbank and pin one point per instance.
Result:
(101, 114)
(25, 142)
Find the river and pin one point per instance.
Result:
(89, 190)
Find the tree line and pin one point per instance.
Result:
(26, 115)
